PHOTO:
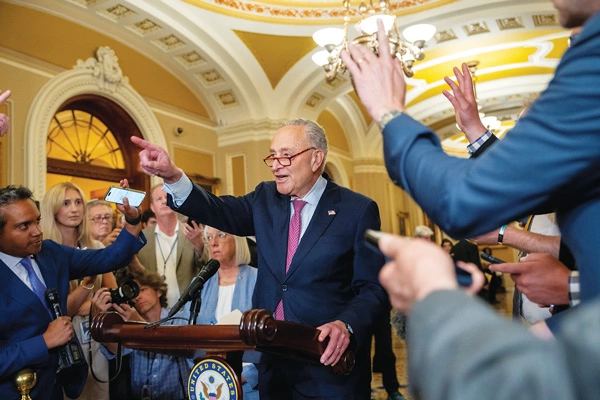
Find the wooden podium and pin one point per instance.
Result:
(258, 330)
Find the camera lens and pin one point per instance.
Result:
(129, 290)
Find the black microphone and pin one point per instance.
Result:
(195, 285)
(70, 354)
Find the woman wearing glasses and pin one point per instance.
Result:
(64, 220)
(230, 289)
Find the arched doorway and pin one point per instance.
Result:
(88, 138)
(100, 89)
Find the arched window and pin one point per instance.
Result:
(88, 139)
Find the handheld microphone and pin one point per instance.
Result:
(70, 354)
(195, 285)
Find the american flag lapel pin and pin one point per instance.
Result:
(331, 212)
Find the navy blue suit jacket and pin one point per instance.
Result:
(549, 162)
(24, 319)
(333, 275)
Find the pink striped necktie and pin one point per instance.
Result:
(293, 240)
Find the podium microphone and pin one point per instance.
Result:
(70, 354)
(195, 285)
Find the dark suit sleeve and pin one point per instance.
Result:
(476, 354)
(228, 213)
(25, 353)
(370, 300)
(110, 258)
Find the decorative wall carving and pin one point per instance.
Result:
(100, 76)
(105, 67)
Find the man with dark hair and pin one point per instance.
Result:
(148, 219)
(314, 266)
(29, 337)
(154, 375)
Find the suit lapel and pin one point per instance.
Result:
(15, 288)
(43, 263)
(281, 223)
(150, 249)
(324, 214)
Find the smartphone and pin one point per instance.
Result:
(463, 277)
(189, 222)
(116, 194)
(490, 259)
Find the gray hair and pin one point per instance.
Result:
(314, 133)
(423, 231)
(9, 195)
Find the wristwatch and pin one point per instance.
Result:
(501, 234)
(387, 117)
(349, 328)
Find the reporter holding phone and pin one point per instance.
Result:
(25, 257)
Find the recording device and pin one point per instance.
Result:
(116, 194)
(195, 285)
(70, 354)
(129, 290)
(490, 259)
(372, 237)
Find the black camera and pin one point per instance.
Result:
(129, 290)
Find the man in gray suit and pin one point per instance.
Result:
(472, 354)
(174, 249)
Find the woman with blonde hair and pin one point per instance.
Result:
(64, 220)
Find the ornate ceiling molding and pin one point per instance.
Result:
(304, 13)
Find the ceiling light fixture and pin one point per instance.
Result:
(333, 40)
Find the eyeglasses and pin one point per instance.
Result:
(99, 218)
(284, 161)
(220, 236)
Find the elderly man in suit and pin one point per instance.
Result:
(29, 337)
(313, 266)
(551, 160)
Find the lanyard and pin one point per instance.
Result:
(162, 254)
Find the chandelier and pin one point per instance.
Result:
(491, 123)
(334, 40)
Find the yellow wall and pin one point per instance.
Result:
(335, 132)
(60, 42)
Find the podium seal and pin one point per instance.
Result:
(213, 379)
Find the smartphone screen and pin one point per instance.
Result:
(116, 194)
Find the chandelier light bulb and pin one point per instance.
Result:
(321, 58)
(419, 32)
(368, 25)
(328, 36)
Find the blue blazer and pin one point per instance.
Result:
(333, 275)
(24, 319)
(549, 162)
(242, 300)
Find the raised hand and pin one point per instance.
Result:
(378, 80)
(465, 104)
(4, 120)
(155, 161)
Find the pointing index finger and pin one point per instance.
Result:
(509, 268)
